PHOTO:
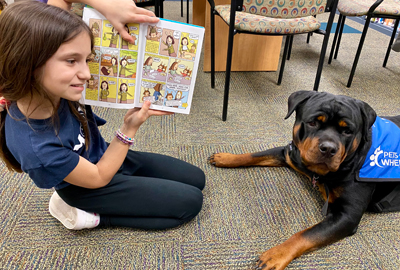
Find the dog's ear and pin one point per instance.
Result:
(296, 98)
(368, 116)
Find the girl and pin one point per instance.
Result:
(46, 133)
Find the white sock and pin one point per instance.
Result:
(71, 217)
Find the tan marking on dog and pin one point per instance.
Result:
(296, 129)
(228, 160)
(280, 256)
(322, 118)
(342, 123)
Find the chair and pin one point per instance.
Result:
(263, 17)
(371, 9)
(187, 10)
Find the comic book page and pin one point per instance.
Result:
(161, 65)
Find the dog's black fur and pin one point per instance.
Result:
(331, 138)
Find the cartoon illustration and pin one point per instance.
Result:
(95, 28)
(111, 70)
(184, 47)
(152, 34)
(123, 68)
(104, 92)
(169, 42)
(157, 91)
(146, 93)
(174, 67)
(123, 93)
(113, 37)
(147, 65)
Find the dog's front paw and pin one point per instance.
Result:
(276, 258)
(223, 160)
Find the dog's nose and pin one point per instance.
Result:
(328, 149)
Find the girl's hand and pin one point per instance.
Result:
(121, 12)
(118, 12)
(135, 117)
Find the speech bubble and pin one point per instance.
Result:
(156, 59)
(109, 25)
(171, 103)
(107, 57)
(148, 84)
(177, 34)
(159, 30)
(111, 82)
(131, 84)
(133, 28)
(193, 36)
(131, 60)
(182, 66)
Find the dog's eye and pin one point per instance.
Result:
(312, 123)
(347, 131)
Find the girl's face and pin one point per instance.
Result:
(124, 62)
(66, 72)
(104, 85)
(113, 61)
(123, 87)
(169, 40)
(184, 41)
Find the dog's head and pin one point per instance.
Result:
(328, 128)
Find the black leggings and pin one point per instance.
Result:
(149, 191)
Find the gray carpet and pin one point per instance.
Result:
(246, 210)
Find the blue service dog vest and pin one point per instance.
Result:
(382, 163)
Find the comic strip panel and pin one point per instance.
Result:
(188, 46)
(127, 64)
(153, 91)
(155, 67)
(133, 31)
(180, 72)
(153, 36)
(170, 42)
(92, 88)
(176, 98)
(109, 62)
(110, 35)
(108, 89)
(126, 90)
(95, 26)
(94, 60)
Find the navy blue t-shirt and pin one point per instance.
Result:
(48, 157)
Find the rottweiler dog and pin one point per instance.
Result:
(331, 139)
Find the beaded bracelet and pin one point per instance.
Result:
(123, 138)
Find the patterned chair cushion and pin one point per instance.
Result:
(361, 7)
(284, 8)
(255, 23)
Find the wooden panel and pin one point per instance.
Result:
(250, 52)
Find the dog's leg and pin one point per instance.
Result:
(344, 215)
(273, 158)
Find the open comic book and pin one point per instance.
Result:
(161, 65)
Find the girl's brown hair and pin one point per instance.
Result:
(31, 32)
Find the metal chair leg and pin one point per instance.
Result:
(360, 45)
(290, 47)
(324, 46)
(339, 23)
(187, 11)
(285, 51)
(339, 37)
(396, 24)
(228, 70)
(212, 15)
(181, 8)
